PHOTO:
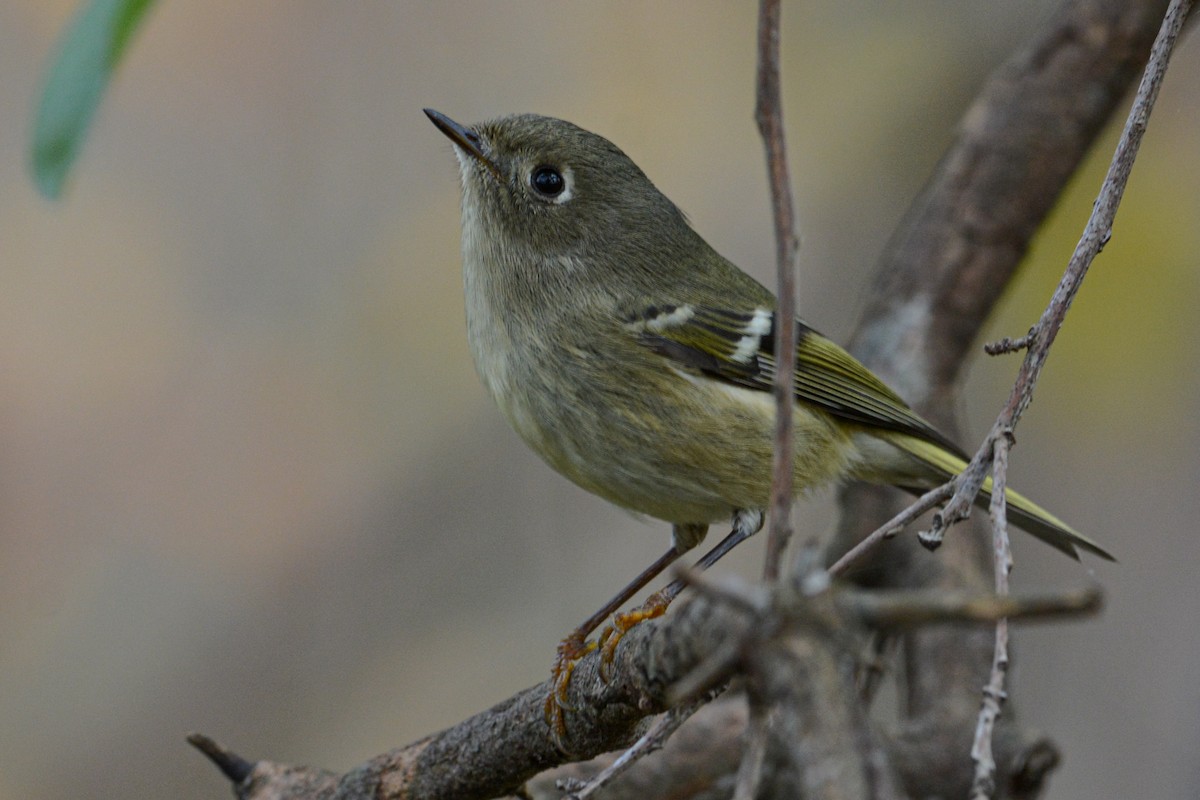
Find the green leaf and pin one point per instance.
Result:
(88, 55)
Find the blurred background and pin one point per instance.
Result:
(251, 486)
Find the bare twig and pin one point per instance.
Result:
(704, 752)
(649, 742)
(938, 279)
(1008, 345)
(1095, 235)
(983, 785)
(913, 608)
(890, 528)
(1039, 339)
(768, 113)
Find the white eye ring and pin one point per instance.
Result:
(552, 184)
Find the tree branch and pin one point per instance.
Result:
(494, 752)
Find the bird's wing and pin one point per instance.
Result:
(738, 347)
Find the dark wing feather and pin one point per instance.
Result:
(738, 347)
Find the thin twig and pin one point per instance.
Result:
(1008, 345)
(983, 785)
(768, 113)
(650, 741)
(1095, 235)
(913, 608)
(890, 528)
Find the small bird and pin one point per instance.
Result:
(638, 362)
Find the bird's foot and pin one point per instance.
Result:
(570, 650)
(655, 606)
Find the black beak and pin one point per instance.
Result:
(464, 138)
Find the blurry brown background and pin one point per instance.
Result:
(250, 485)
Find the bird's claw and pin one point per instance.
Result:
(570, 650)
(575, 647)
(655, 606)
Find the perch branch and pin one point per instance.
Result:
(495, 751)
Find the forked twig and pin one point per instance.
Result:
(890, 528)
(1095, 235)
(995, 448)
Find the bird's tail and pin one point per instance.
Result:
(1023, 512)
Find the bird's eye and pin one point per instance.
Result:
(547, 181)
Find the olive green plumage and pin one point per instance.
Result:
(638, 362)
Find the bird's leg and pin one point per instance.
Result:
(576, 645)
(745, 525)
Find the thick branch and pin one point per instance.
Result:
(494, 752)
(1018, 145)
